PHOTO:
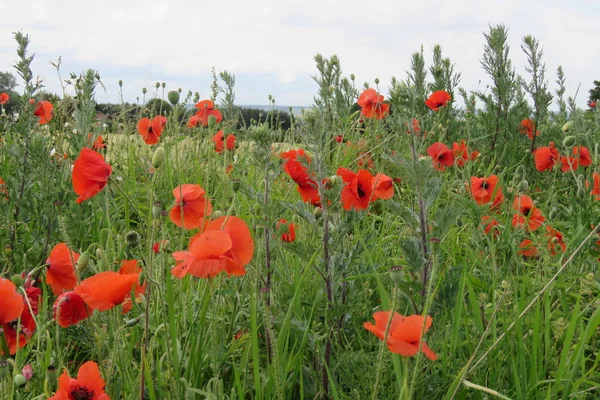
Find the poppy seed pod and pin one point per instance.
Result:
(569, 141)
(83, 261)
(236, 185)
(567, 126)
(173, 97)
(158, 158)
(377, 81)
(157, 85)
(120, 83)
(17, 279)
(396, 274)
(144, 90)
(132, 238)
(19, 380)
(157, 209)
(163, 85)
(318, 212)
(352, 77)
(4, 367)
(179, 90)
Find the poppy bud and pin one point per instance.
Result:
(19, 380)
(290, 108)
(8, 250)
(132, 322)
(132, 238)
(377, 81)
(523, 186)
(236, 184)
(555, 240)
(459, 222)
(366, 85)
(318, 212)
(120, 83)
(212, 121)
(396, 274)
(179, 90)
(216, 214)
(270, 97)
(4, 367)
(144, 91)
(51, 373)
(156, 209)
(334, 179)
(567, 126)
(158, 158)
(83, 261)
(163, 85)
(157, 85)
(173, 97)
(99, 253)
(17, 279)
(332, 227)
(580, 193)
(142, 278)
(569, 141)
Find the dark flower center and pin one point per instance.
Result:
(360, 191)
(150, 130)
(484, 185)
(82, 393)
(526, 211)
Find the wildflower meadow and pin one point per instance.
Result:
(426, 242)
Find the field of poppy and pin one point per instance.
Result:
(386, 246)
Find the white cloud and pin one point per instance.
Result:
(179, 41)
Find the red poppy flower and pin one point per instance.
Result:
(596, 189)
(581, 157)
(17, 335)
(358, 191)
(484, 189)
(405, 333)
(4, 97)
(339, 138)
(555, 240)
(190, 207)
(106, 290)
(438, 99)
(97, 144)
(205, 110)
(527, 213)
(61, 269)
(526, 127)
(545, 158)
(527, 249)
(383, 187)
(3, 189)
(44, 110)
(151, 129)
(33, 295)
(193, 122)
(225, 245)
(131, 267)
(89, 385)
(296, 168)
(289, 230)
(416, 127)
(69, 308)
(90, 174)
(593, 104)
(12, 303)
(159, 246)
(569, 163)
(372, 104)
(441, 156)
(489, 225)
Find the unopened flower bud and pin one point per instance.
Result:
(132, 322)
(157, 85)
(83, 261)
(523, 186)
(569, 141)
(144, 90)
(120, 83)
(17, 279)
(318, 212)
(163, 85)
(217, 214)
(377, 81)
(8, 250)
(173, 97)
(19, 380)
(352, 77)
(212, 121)
(236, 185)
(397, 274)
(99, 254)
(157, 209)
(567, 126)
(158, 158)
(179, 90)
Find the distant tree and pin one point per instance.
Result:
(159, 107)
(8, 84)
(594, 93)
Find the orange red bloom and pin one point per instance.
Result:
(490, 225)
(296, 168)
(190, 207)
(69, 309)
(106, 290)
(358, 191)
(545, 158)
(97, 144)
(221, 143)
(460, 151)
(4, 97)
(596, 188)
(372, 104)
(484, 189)
(225, 245)
(206, 109)
(526, 127)
(581, 157)
(441, 156)
(61, 269)
(44, 111)
(89, 385)
(556, 241)
(288, 230)
(527, 249)
(527, 213)
(438, 99)
(151, 129)
(131, 267)
(12, 302)
(90, 174)
(383, 186)
(405, 333)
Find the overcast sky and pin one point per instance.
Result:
(270, 45)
